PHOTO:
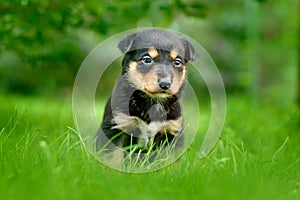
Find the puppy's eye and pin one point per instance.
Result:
(177, 62)
(147, 60)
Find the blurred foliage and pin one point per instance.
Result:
(44, 42)
(253, 42)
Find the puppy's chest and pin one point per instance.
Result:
(148, 111)
(148, 117)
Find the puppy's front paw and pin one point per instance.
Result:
(125, 122)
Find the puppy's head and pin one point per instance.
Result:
(155, 61)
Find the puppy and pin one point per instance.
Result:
(145, 108)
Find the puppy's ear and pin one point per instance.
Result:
(126, 44)
(190, 52)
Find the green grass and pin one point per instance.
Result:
(135, 158)
(41, 157)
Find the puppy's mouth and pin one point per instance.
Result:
(160, 93)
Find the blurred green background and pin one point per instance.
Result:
(253, 43)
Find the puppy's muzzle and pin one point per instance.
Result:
(164, 83)
(164, 77)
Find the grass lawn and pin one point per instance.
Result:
(41, 157)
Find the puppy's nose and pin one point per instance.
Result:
(164, 84)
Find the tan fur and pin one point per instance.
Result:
(128, 123)
(174, 126)
(132, 64)
(183, 77)
(147, 83)
(173, 54)
(134, 76)
(125, 122)
(153, 53)
(178, 81)
(161, 95)
(150, 81)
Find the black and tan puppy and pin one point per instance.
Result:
(145, 107)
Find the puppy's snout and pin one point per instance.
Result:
(164, 83)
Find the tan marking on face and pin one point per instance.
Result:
(174, 126)
(132, 64)
(146, 83)
(150, 81)
(134, 77)
(153, 53)
(173, 54)
(162, 95)
(183, 75)
(178, 80)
